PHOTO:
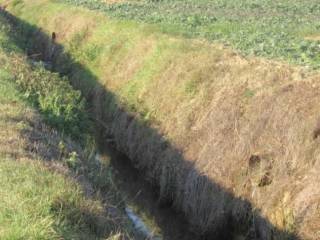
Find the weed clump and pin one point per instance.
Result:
(61, 106)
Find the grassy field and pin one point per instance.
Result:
(283, 29)
(35, 203)
(216, 130)
(40, 198)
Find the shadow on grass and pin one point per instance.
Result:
(61, 211)
(218, 214)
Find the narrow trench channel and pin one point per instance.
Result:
(158, 221)
(151, 220)
(162, 222)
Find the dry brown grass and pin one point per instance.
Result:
(211, 111)
(221, 127)
(313, 38)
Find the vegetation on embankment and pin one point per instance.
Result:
(44, 192)
(233, 142)
(282, 29)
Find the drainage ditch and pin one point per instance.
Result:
(150, 218)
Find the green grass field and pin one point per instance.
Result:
(282, 29)
(40, 199)
(35, 203)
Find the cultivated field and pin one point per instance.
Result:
(286, 29)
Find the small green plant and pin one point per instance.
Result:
(72, 160)
(92, 52)
(78, 39)
(191, 87)
(248, 93)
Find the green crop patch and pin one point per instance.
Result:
(273, 29)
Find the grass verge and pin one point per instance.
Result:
(44, 192)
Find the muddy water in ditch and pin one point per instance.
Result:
(154, 221)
